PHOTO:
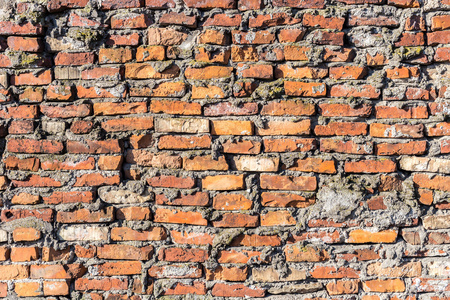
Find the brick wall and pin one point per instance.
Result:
(275, 149)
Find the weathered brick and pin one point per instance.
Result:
(128, 234)
(305, 89)
(163, 215)
(285, 128)
(114, 55)
(223, 182)
(41, 78)
(341, 128)
(236, 220)
(236, 290)
(384, 286)
(278, 182)
(363, 236)
(130, 21)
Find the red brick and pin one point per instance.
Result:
(344, 110)
(333, 272)
(343, 55)
(41, 78)
(5, 61)
(81, 127)
(348, 72)
(26, 234)
(409, 148)
(131, 39)
(194, 288)
(65, 112)
(305, 89)
(124, 252)
(227, 273)
(117, 4)
(238, 257)
(364, 91)
(32, 94)
(371, 166)
(192, 238)
(408, 39)
(175, 271)
(209, 4)
(285, 200)
(51, 254)
(94, 147)
(23, 112)
(236, 220)
(171, 182)
(341, 128)
(384, 286)
(128, 124)
(37, 181)
(59, 93)
(360, 236)
(76, 20)
(17, 43)
(110, 162)
(301, 4)
(34, 146)
(85, 216)
(14, 214)
(324, 37)
(57, 5)
(95, 92)
(21, 127)
(252, 37)
(389, 112)
(24, 254)
(310, 20)
(105, 284)
(402, 73)
(69, 197)
(316, 165)
(12, 28)
(182, 255)
(114, 55)
(130, 21)
(74, 59)
(250, 4)
(236, 290)
(55, 288)
(196, 199)
(396, 130)
(96, 179)
(298, 253)
(341, 287)
(355, 20)
(146, 71)
(275, 19)
(163, 215)
(27, 289)
(175, 107)
(291, 35)
(104, 73)
(223, 20)
(278, 182)
(128, 234)
(119, 268)
(173, 18)
(26, 164)
(286, 71)
(404, 3)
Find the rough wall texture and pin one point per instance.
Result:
(287, 149)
